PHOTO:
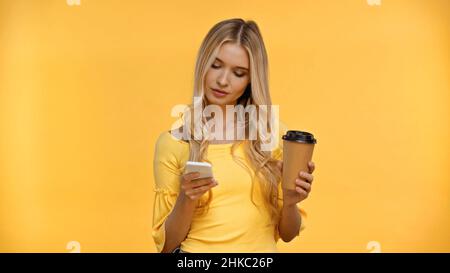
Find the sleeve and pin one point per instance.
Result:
(278, 154)
(166, 175)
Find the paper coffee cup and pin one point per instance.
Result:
(298, 148)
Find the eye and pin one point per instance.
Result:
(239, 75)
(215, 66)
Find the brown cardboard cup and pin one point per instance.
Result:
(298, 148)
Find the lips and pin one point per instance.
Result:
(219, 93)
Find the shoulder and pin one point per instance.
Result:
(172, 137)
(168, 144)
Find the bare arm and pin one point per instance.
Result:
(290, 223)
(178, 222)
(290, 220)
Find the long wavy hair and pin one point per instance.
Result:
(261, 165)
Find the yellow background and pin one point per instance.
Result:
(86, 89)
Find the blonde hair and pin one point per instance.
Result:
(265, 170)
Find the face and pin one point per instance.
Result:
(228, 76)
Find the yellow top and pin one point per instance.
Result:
(233, 223)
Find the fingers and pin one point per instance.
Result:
(194, 189)
(191, 176)
(202, 182)
(302, 192)
(303, 183)
(307, 176)
(206, 183)
(191, 184)
(306, 186)
(199, 191)
(311, 166)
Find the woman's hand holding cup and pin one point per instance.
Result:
(303, 185)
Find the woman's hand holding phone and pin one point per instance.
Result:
(194, 188)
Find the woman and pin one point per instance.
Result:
(243, 207)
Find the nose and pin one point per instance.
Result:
(222, 79)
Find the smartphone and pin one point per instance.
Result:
(204, 168)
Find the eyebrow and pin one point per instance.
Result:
(236, 66)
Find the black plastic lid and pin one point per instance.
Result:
(300, 136)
